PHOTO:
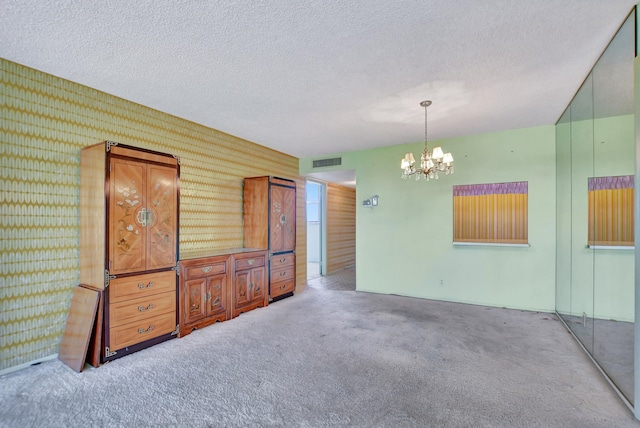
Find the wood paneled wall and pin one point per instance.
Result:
(341, 227)
(301, 234)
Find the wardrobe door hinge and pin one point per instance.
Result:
(109, 144)
(177, 268)
(107, 278)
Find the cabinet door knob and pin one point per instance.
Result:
(141, 217)
(215, 302)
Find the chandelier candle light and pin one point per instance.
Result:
(430, 163)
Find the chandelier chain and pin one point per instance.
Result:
(425, 128)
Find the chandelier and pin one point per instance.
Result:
(431, 163)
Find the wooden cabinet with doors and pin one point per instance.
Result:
(129, 243)
(270, 222)
(205, 292)
(249, 281)
(220, 285)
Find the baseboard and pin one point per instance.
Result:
(462, 302)
(29, 364)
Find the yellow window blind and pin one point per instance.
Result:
(491, 213)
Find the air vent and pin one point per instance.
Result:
(327, 162)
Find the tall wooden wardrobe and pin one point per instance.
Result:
(270, 223)
(129, 244)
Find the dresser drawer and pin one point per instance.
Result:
(141, 285)
(143, 307)
(283, 260)
(279, 288)
(249, 262)
(141, 330)
(204, 270)
(282, 274)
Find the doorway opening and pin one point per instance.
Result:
(315, 192)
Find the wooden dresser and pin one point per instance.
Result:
(220, 285)
(129, 244)
(270, 222)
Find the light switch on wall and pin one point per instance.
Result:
(371, 202)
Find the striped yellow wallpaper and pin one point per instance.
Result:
(341, 227)
(45, 121)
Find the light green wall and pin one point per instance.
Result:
(404, 246)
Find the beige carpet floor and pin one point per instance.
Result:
(330, 357)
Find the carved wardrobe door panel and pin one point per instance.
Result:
(241, 289)
(194, 296)
(217, 297)
(162, 217)
(258, 283)
(127, 233)
(282, 219)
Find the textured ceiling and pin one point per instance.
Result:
(315, 77)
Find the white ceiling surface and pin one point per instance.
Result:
(312, 77)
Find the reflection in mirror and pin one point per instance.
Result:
(581, 257)
(595, 144)
(613, 148)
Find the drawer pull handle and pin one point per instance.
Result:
(141, 286)
(217, 287)
(215, 302)
(257, 290)
(142, 308)
(283, 260)
(206, 269)
(251, 262)
(283, 286)
(142, 331)
(283, 273)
